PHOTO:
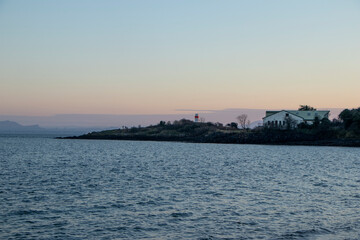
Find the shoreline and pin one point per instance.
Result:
(188, 131)
(323, 143)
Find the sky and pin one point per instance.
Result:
(166, 57)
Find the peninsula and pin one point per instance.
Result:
(344, 131)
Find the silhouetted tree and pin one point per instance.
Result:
(325, 123)
(243, 120)
(218, 124)
(316, 122)
(232, 125)
(346, 117)
(290, 123)
(306, 108)
(351, 118)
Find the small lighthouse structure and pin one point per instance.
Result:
(196, 117)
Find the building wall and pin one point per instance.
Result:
(279, 119)
(310, 115)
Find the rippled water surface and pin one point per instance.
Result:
(80, 189)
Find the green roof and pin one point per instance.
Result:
(306, 115)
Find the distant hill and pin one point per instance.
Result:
(11, 127)
(256, 124)
(14, 127)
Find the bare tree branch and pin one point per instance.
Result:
(243, 120)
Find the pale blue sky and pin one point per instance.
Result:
(120, 57)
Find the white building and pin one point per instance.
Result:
(291, 118)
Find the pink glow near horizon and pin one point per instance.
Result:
(154, 58)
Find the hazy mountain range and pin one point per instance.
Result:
(10, 127)
(13, 127)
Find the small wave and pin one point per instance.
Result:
(115, 170)
(138, 229)
(215, 194)
(250, 223)
(92, 185)
(60, 224)
(306, 233)
(100, 207)
(26, 212)
(150, 202)
(116, 229)
(181, 214)
(115, 205)
(321, 184)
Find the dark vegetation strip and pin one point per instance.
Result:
(344, 131)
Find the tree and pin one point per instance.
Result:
(218, 124)
(316, 122)
(290, 123)
(346, 117)
(325, 123)
(306, 108)
(243, 120)
(351, 118)
(233, 125)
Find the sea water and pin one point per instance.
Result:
(95, 189)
